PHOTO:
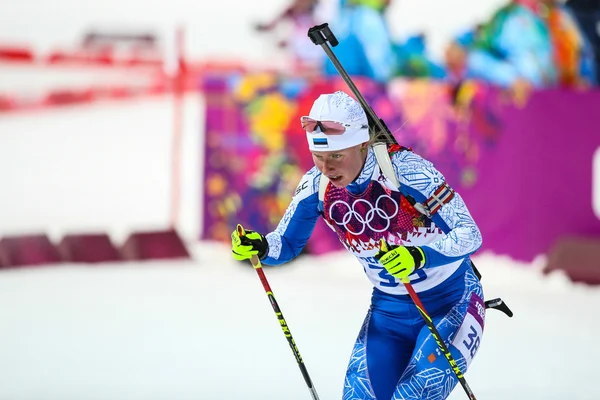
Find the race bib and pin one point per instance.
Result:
(468, 338)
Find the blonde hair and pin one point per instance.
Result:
(376, 136)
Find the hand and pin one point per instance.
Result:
(400, 261)
(520, 91)
(248, 244)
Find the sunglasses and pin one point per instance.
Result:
(327, 127)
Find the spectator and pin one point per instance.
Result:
(513, 49)
(455, 55)
(573, 55)
(587, 14)
(365, 45)
(412, 60)
(302, 15)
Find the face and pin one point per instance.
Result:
(342, 166)
(455, 57)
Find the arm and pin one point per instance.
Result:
(298, 222)
(482, 65)
(419, 179)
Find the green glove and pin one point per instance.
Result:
(400, 261)
(249, 244)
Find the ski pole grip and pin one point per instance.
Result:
(254, 259)
(321, 34)
(240, 230)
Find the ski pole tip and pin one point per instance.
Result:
(240, 230)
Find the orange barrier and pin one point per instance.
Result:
(141, 61)
(61, 97)
(15, 53)
(90, 57)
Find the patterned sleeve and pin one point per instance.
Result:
(420, 180)
(296, 226)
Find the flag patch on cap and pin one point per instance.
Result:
(320, 142)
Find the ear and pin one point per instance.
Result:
(363, 146)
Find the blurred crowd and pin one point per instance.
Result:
(523, 44)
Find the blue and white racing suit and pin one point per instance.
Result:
(395, 356)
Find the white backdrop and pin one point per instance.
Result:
(215, 28)
(103, 167)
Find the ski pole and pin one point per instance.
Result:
(284, 326)
(438, 339)
(320, 35)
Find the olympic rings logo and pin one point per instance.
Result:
(368, 217)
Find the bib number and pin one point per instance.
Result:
(387, 280)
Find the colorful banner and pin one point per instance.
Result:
(524, 168)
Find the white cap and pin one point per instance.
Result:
(338, 107)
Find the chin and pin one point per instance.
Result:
(340, 184)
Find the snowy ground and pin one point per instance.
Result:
(205, 330)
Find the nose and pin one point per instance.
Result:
(327, 165)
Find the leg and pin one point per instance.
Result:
(428, 375)
(357, 384)
(382, 351)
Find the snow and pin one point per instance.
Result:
(204, 329)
